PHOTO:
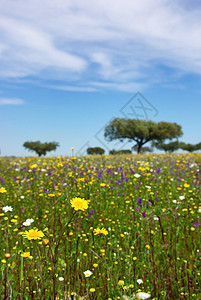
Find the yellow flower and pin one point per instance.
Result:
(134, 258)
(3, 190)
(121, 282)
(45, 241)
(3, 261)
(33, 234)
(25, 254)
(100, 231)
(147, 247)
(79, 203)
(92, 290)
(13, 220)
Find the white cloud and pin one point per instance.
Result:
(5, 101)
(129, 87)
(73, 88)
(123, 42)
(29, 51)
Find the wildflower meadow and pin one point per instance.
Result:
(101, 227)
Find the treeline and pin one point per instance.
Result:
(162, 135)
(173, 146)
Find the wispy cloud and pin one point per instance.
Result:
(121, 43)
(73, 88)
(28, 51)
(5, 101)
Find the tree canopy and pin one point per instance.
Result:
(141, 131)
(189, 147)
(40, 148)
(170, 147)
(123, 151)
(95, 150)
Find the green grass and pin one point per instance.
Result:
(153, 235)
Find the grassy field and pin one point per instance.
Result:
(104, 227)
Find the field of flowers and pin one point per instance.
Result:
(101, 227)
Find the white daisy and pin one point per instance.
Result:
(7, 208)
(87, 273)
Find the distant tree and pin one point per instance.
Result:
(143, 149)
(113, 152)
(141, 131)
(126, 151)
(198, 146)
(95, 150)
(170, 147)
(189, 147)
(40, 148)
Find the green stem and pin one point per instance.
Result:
(21, 271)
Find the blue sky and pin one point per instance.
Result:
(68, 67)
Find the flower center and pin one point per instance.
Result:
(33, 234)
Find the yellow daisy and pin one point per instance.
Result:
(33, 234)
(3, 190)
(79, 203)
(100, 231)
(25, 254)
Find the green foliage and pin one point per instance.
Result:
(95, 150)
(167, 130)
(141, 131)
(189, 147)
(170, 147)
(149, 205)
(143, 149)
(40, 148)
(126, 151)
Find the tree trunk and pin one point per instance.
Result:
(139, 146)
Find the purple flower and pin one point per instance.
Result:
(137, 209)
(2, 180)
(144, 214)
(90, 213)
(196, 224)
(139, 201)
